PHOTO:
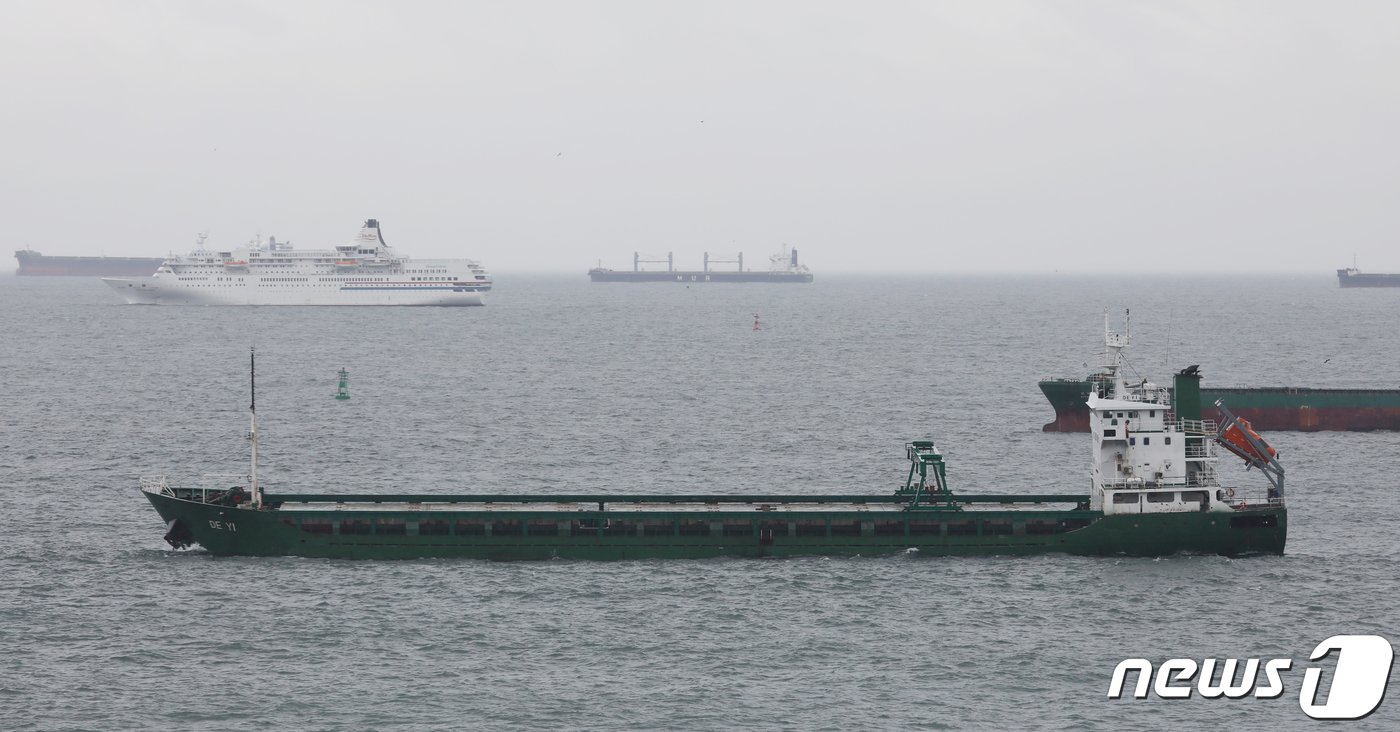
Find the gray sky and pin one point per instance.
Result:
(873, 136)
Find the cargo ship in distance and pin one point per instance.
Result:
(367, 271)
(782, 267)
(1154, 491)
(33, 263)
(1353, 277)
(1281, 408)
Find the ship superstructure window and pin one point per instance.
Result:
(1126, 498)
(1161, 497)
(1168, 439)
(1147, 440)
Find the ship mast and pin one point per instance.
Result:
(1114, 343)
(253, 429)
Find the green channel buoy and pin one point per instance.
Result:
(344, 392)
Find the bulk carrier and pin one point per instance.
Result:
(782, 267)
(34, 263)
(1353, 277)
(1153, 491)
(1279, 408)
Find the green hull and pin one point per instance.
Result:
(736, 530)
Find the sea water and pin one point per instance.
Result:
(561, 385)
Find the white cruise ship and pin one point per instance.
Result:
(364, 272)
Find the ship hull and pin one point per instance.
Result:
(1272, 409)
(166, 291)
(1352, 278)
(32, 263)
(688, 277)
(329, 533)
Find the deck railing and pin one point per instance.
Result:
(201, 488)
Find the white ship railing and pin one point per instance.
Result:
(1196, 426)
(202, 486)
(1202, 450)
(156, 484)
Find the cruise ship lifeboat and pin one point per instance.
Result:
(346, 263)
(1235, 441)
(236, 263)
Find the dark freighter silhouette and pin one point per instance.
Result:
(1153, 491)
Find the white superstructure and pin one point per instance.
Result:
(364, 272)
(1149, 457)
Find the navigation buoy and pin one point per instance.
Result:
(344, 392)
(756, 324)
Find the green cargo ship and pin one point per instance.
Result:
(1153, 493)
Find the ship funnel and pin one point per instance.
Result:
(1186, 393)
(794, 257)
(371, 232)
